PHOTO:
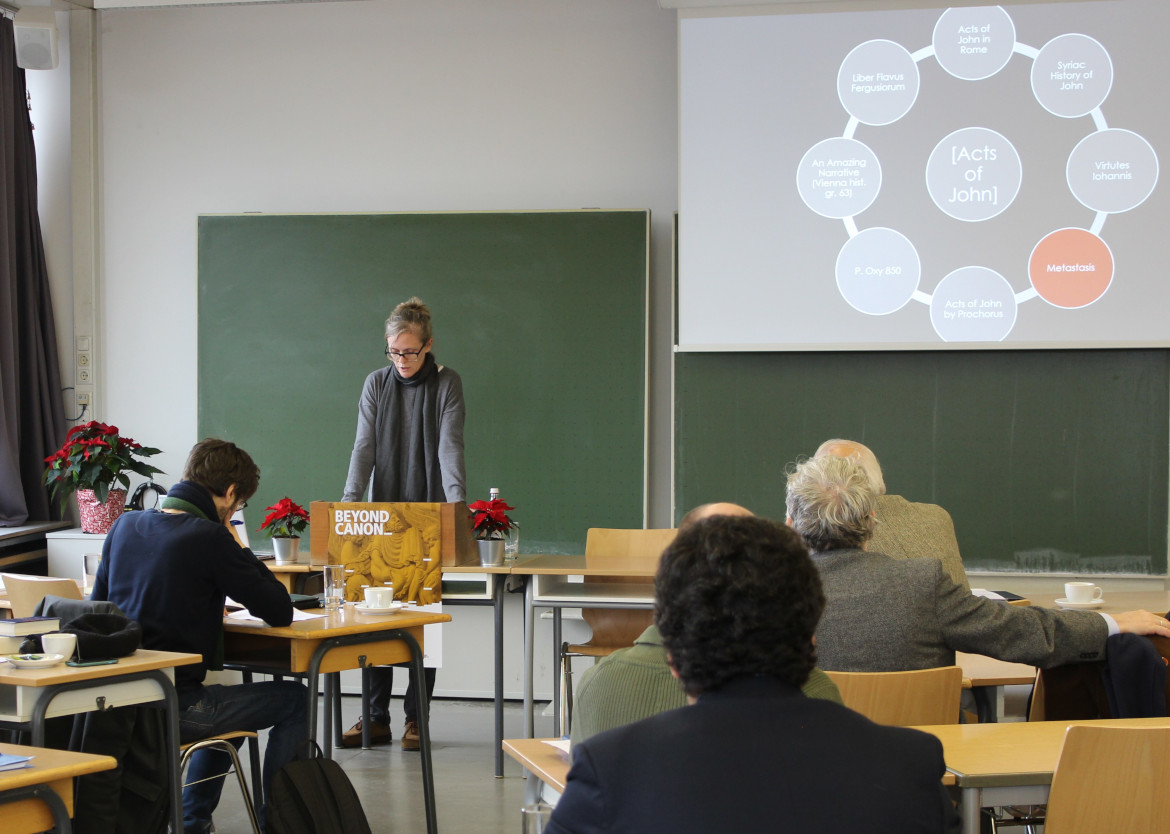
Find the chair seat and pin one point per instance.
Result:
(183, 748)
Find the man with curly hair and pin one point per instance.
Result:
(737, 603)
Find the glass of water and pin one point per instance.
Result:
(334, 576)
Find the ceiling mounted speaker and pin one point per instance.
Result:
(36, 46)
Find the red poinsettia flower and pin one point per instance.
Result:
(285, 519)
(94, 456)
(489, 518)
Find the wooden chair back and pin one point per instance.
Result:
(616, 628)
(1111, 779)
(26, 592)
(903, 699)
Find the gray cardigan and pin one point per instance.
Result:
(451, 417)
(884, 615)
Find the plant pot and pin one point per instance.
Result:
(287, 549)
(491, 552)
(97, 517)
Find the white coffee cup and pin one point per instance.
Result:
(62, 644)
(379, 597)
(1082, 592)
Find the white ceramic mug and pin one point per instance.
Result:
(1082, 592)
(379, 597)
(62, 644)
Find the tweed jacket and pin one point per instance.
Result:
(755, 755)
(907, 530)
(884, 615)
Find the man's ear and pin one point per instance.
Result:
(670, 663)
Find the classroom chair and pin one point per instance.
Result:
(224, 742)
(613, 628)
(903, 699)
(1111, 779)
(26, 592)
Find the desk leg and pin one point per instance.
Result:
(170, 719)
(61, 821)
(970, 808)
(424, 723)
(327, 710)
(987, 703)
(422, 708)
(366, 745)
(498, 583)
(529, 725)
(556, 693)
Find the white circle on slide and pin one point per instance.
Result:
(1112, 170)
(974, 43)
(973, 174)
(973, 304)
(878, 82)
(839, 177)
(878, 271)
(1072, 76)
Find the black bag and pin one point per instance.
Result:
(312, 795)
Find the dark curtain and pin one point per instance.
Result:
(32, 419)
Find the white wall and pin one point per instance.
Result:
(49, 98)
(386, 105)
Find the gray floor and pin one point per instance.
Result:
(389, 780)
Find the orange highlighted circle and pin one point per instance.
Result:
(1071, 268)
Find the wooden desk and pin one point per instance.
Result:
(293, 576)
(1008, 764)
(988, 677)
(343, 639)
(542, 763)
(549, 587)
(1117, 602)
(40, 797)
(29, 696)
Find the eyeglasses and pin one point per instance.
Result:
(241, 507)
(405, 355)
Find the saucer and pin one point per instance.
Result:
(367, 609)
(1088, 606)
(35, 661)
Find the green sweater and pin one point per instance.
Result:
(636, 683)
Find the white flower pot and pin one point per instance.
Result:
(287, 549)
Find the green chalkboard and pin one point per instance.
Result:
(1048, 461)
(543, 314)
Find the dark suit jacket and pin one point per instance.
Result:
(756, 755)
(886, 615)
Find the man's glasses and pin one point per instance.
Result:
(405, 355)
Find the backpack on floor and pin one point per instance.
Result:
(312, 795)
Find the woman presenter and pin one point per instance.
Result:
(410, 439)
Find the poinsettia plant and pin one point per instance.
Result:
(286, 519)
(490, 520)
(96, 456)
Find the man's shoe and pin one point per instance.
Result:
(379, 734)
(410, 736)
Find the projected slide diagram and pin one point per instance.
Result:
(974, 174)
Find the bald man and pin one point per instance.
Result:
(635, 683)
(904, 529)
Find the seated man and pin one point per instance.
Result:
(637, 682)
(737, 602)
(885, 615)
(170, 569)
(904, 529)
